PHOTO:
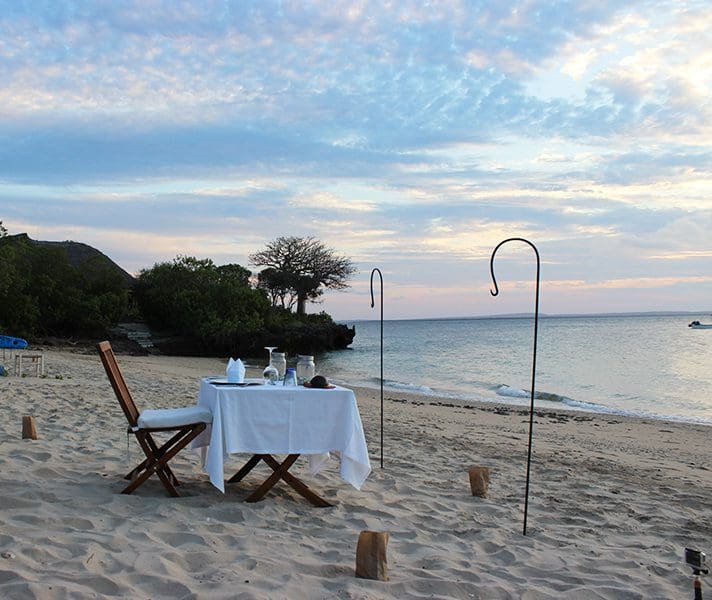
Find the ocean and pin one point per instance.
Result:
(651, 366)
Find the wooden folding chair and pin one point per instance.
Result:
(187, 422)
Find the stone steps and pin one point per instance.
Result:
(136, 332)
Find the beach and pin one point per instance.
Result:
(613, 501)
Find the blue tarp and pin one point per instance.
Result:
(12, 342)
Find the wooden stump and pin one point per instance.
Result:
(29, 431)
(479, 480)
(371, 562)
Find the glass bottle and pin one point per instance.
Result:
(279, 361)
(305, 368)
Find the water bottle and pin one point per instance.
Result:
(279, 362)
(305, 368)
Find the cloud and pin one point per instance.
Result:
(409, 135)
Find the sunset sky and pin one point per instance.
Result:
(411, 136)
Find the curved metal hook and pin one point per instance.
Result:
(533, 384)
(495, 292)
(381, 276)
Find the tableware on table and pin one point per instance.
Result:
(235, 371)
(245, 383)
(270, 373)
(319, 382)
(290, 378)
(279, 362)
(305, 368)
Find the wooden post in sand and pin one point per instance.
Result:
(29, 431)
(371, 562)
(479, 480)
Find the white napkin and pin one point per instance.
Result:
(235, 371)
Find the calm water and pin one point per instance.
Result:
(640, 365)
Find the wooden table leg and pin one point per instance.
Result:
(297, 484)
(246, 468)
(276, 475)
(280, 471)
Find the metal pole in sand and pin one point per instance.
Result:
(380, 275)
(536, 327)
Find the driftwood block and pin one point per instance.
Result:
(479, 480)
(29, 431)
(371, 562)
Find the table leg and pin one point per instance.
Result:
(246, 468)
(280, 471)
(297, 484)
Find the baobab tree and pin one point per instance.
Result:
(298, 269)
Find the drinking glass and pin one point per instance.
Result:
(270, 373)
(290, 378)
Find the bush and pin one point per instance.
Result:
(196, 299)
(200, 309)
(41, 293)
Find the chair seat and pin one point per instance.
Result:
(173, 417)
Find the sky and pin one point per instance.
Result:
(409, 136)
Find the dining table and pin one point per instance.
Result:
(271, 421)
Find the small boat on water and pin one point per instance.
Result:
(698, 325)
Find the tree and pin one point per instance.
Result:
(277, 285)
(300, 267)
(193, 297)
(42, 293)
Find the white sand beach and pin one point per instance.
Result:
(613, 502)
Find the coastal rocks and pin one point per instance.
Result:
(298, 338)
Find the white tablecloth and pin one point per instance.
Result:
(268, 419)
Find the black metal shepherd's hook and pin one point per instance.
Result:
(536, 327)
(380, 275)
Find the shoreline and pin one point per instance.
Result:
(451, 400)
(513, 399)
(613, 501)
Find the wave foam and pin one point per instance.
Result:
(512, 392)
(408, 387)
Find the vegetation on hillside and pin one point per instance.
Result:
(42, 294)
(196, 307)
(196, 299)
(193, 305)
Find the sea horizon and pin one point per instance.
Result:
(648, 364)
(524, 315)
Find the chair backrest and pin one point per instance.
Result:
(117, 382)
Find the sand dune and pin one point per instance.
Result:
(613, 502)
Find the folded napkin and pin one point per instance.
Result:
(235, 371)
